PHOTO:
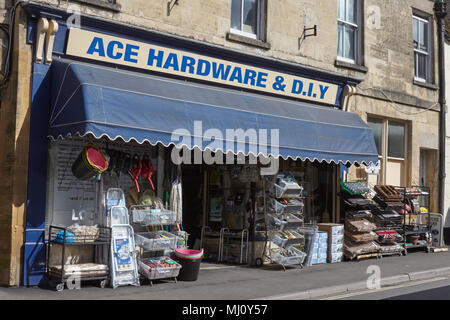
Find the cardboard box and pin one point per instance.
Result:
(319, 255)
(318, 261)
(336, 241)
(320, 245)
(336, 248)
(335, 257)
(321, 235)
(331, 228)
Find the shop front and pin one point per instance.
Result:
(169, 144)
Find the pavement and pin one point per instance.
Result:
(234, 282)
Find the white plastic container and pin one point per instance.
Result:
(285, 242)
(155, 241)
(294, 257)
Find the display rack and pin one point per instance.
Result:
(60, 275)
(416, 223)
(284, 215)
(358, 245)
(157, 242)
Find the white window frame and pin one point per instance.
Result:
(357, 28)
(418, 52)
(260, 18)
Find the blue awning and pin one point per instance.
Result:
(102, 101)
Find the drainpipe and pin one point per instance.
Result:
(440, 9)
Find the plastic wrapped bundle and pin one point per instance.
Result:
(394, 248)
(352, 250)
(361, 237)
(360, 226)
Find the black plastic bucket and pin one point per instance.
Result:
(190, 265)
(82, 167)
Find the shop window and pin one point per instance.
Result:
(377, 127)
(247, 18)
(390, 139)
(422, 49)
(396, 139)
(349, 31)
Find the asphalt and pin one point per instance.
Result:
(228, 282)
(429, 289)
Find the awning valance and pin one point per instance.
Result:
(102, 101)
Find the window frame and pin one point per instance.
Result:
(358, 34)
(384, 158)
(429, 54)
(260, 22)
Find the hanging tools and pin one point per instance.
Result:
(147, 169)
(135, 171)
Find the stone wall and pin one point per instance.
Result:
(14, 137)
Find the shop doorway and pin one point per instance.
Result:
(192, 185)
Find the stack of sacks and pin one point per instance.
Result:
(335, 241)
(360, 238)
(320, 248)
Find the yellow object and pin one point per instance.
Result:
(423, 210)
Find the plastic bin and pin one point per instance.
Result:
(278, 207)
(158, 240)
(190, 263)
(151, 268)
(145, 215)
(293, 257)
(288, 221)
(285, 242)
(288, 191)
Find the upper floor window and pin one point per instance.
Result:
(247, 18)
(349, 31)
(422, 49)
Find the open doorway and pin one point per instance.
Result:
(192, 202)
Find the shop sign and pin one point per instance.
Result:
(105, 48)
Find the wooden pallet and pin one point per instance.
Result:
(385, 254)
(364, 256)
(388, 193)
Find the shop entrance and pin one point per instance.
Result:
(193, 203)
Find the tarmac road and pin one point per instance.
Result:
(430, 289)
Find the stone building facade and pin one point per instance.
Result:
(401, 105)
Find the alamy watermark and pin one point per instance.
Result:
(234, 146)
(374, 280)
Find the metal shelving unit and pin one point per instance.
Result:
(60, 236)
(156, 243)
(419, 229)
(285, 217)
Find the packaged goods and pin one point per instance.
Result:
(388, 237)
(360, 226)
(351, 249)
(394, 248)
(362, 237)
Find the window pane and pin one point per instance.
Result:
(377, 128)
(416, 33)
(421, 66)
(349, 43)
(236, 14)
(396, 139)
(341, 9)
(350, 11)
(340, 40)
(250, 16)
(423, 40)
